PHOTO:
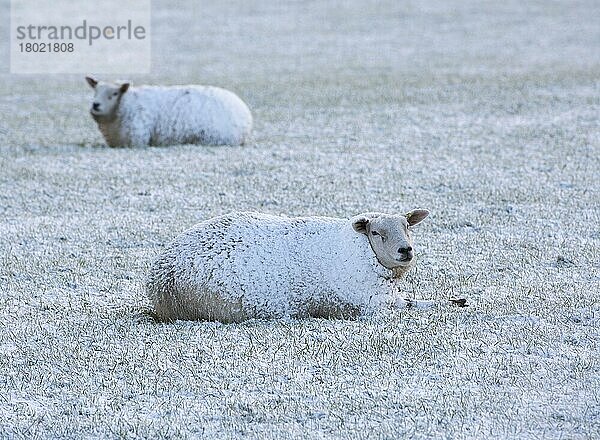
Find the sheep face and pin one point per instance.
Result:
(389, 235)
(106, 99)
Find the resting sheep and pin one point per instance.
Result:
(250, 265)
(152, 115)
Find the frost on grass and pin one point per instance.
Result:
(495, 129)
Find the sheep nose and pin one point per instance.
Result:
(96, 105)
(406, 253)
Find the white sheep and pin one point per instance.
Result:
(152, 115)
(250, 265)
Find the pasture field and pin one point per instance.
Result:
(485, 113)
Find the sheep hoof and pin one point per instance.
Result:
(459, 302)
(409, 303)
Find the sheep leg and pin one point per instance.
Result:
(423, 304)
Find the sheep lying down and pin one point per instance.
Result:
(152, 115)
(250, 265)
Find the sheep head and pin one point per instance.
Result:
(107, 97)
(390, 235)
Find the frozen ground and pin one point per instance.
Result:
(487, 113)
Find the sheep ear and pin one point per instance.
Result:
(124, 88)
(416, 216)
(91, 81)
(360, 221)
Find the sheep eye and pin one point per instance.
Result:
(115, 94)
(374, 233)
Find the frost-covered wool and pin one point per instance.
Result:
(251, 265)
(154, 115)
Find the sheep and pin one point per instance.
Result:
(152, 115)
(251, 265)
